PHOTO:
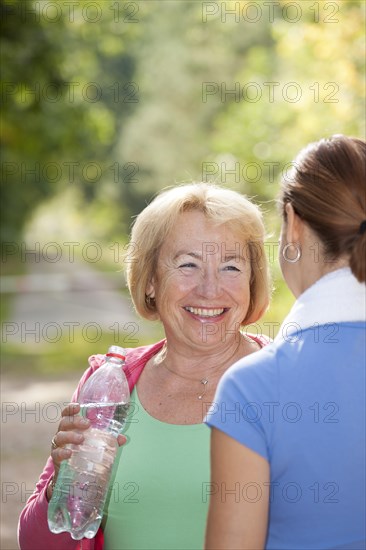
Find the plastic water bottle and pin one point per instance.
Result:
(81, 488)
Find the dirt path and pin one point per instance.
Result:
(52, 300)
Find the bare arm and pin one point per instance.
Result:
(238, 512)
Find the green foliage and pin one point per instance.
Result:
(62, 82)
(181, 84)
(311, 85)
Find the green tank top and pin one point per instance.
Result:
(159, 492)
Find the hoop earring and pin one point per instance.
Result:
(298, 253)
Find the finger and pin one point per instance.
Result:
(69, 437)
(61, 453)
(58, 455)
(61, 443)
(71, 409)
(69, 412)
(71, 419)
(121, 440)
(73, 423)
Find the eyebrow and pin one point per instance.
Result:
(195, 255)
(198, 256)
(230, 257)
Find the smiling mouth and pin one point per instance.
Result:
(205, 312)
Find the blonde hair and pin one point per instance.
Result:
(221, 206)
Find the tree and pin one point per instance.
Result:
(66, 80)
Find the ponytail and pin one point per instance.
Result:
(327, 189)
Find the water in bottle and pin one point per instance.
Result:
(81, 489)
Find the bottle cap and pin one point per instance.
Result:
(123, 357)
(116, 351)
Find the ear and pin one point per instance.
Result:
(150, 288)
(294, 225)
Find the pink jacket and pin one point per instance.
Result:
(33, 532)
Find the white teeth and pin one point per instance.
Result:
(205, 312)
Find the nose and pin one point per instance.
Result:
(210, 285)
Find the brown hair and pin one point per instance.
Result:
(221, 206)
(327, 189)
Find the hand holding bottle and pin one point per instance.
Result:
(70, 432)
(91, 432)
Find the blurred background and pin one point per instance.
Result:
(105, 103)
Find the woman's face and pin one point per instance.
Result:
(201, 284)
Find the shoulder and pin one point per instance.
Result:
(258, 364)
(252, 378)
(142, 353)
(136, 359)
(133, 355)
(261, 339)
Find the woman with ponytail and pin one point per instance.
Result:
(294, 451)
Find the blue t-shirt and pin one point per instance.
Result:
(300, 404)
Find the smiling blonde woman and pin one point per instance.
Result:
(196, 263)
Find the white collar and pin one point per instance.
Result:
(336, 297)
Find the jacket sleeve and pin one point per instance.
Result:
(33, 532)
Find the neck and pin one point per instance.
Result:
(202, 364)
(312, 273)
(184, 379)
(313, 264)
